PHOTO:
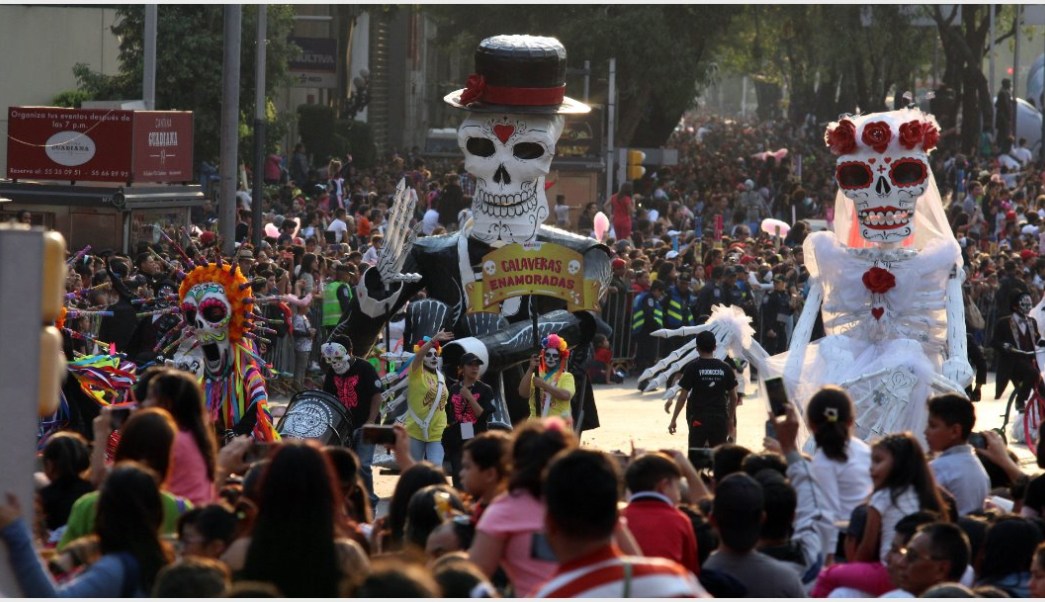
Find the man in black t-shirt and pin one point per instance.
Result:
(708, 389)
(357, 386)
(468, 412)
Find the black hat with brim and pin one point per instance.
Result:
(518, 74)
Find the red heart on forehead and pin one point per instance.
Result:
(877, 312)
(504, 132)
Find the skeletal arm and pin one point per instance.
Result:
(956, 367)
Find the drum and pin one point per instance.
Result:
(316, 415)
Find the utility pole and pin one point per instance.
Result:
(230, 127)
(611, 116)
(587, 79)
(260, 121)
(1016, 74)
(149, 70)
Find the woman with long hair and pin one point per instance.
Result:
(510, 532)
(294, 544)
(842, 462)
(147, 437)
(195, 446)
(130, 512)
(388, 531)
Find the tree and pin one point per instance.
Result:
(189, 43)
(831, 59)
(663, 52)
(963, 34)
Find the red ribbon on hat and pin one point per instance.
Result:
(476, 89)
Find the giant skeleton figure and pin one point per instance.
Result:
(516, 107)
(887, 280)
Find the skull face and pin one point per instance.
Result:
(573, 267)
(883, 185)
(1024, 306)
(337, 357)
(207, 310)
(431, 359)
(509, 155)
(489, 267)
(551, 359)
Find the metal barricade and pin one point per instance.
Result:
(616, 311)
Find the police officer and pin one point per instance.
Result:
(647, 315)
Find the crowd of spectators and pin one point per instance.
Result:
(153, 506)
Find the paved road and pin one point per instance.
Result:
(629, 416)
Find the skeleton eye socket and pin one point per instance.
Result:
(528, 150)
(907, 172)
(189, 311)
(213, 311)
(481, 147)
(853, 175)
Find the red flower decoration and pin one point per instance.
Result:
(877, 135)
(841, 138)
(878, 280)
(473, 89)
(932, 136)
(911, 134)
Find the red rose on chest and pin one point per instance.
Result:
(878, 280)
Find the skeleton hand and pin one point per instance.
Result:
(399, 237)
(958, 370)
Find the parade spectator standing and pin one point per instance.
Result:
(956, 467)
(338, 227)
(562, 212)
(484, 469)
(511, 532)
(737, 512)
(336, 184)
(337, 295)
(621, 209)
(720, 291)
(358, 388)
(467, 412)
(581, 492)
(128, 524)
(273, 169)
(659, 527)
(776, 314)
(1003, 116)
(842, 462)
(708, 389)
(299, 166)
(303, 335)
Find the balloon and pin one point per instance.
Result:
(271, 231)
(602, 224)
(770, 225)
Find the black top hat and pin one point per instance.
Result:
(518, 74)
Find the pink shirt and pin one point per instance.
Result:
(515, 518)
(188, 477)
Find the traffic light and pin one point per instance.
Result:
(635, 170)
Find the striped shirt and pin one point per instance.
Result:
(607, 573)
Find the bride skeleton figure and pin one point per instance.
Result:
(887, 280)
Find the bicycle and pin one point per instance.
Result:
(1034, 405)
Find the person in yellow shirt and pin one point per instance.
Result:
(426, 395)
(547, 382)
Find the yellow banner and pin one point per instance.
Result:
(545, 269)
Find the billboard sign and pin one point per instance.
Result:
(317, 65)
(99, 145)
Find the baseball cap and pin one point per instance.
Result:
(1027, 254)
(671, 254)
(618, 263)
(471, 358)
(207, 238)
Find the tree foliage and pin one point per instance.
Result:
(663, 52)
(831, 59)
(190, 51)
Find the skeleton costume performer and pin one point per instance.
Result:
(553, 371)
(216, 302)
(516, 107)
(1014, 334)
(888, 278)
